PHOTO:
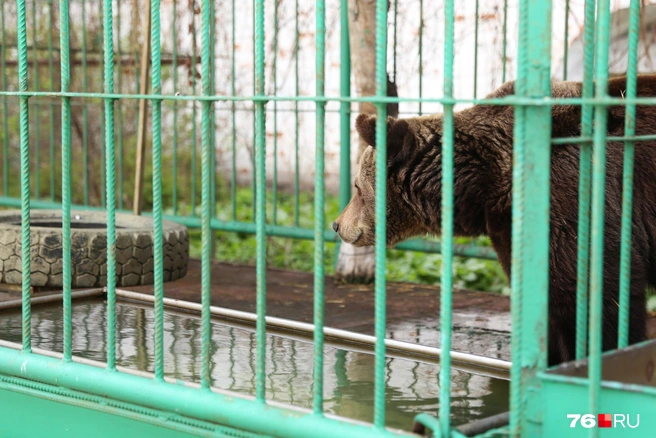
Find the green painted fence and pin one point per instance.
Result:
(81, 396)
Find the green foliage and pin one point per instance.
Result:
(469, 273)
(651, 301)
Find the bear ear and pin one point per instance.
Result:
(366, 126)
(396, 131)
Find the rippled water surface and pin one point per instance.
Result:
(412, 387)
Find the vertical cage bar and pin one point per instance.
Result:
(566, 43)
(194, 134)
(476, 50)
(598, 194)
(275, 111)
(36, 106)
(253, 155)
(213, 113)
(206, 211)
(583, 233)
(233, 173)
(85, 110)
(175, 109)
(319, 211)
(421, 54)
(395, 39)
(518, 184)
(531, 217)
(118, 107)
(24, 127)
(627, 184)
(260, 201)
(344, 114)
(446, 286)
(65, 62)
(5, 109)
(137, 76)
(102, 157)
(381, 216)
(51, 119)
(110, 188)
(158, 238)
(296, 122)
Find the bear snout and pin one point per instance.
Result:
(335, 226)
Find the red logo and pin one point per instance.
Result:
(604, 420)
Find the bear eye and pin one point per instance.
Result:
(357, 187)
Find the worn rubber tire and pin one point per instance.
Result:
(134, 249)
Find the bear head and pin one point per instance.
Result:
(356, 224)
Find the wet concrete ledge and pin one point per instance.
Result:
(290, 295)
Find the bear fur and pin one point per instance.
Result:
(483, 144)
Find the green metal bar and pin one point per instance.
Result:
(476, 50)
(206, 211)
(194, 146)
(24, 128)
(446, 286)
(5, 110)
(118, 107)
(381, 216)
(158, 243)
(517, 410)
(212, 113)
(275, 111)
(260, 201)
(36, 107)
(51, 73)
(504, 101)
(233, 172)
(102, 157)
(583, 233)
(182, 400)
(253, 157)
(566, 44)
(421, 54)
(598, 192)
(319, 212)
(505, 39)
(531, 218)
(319, 205)
(610, 138)
(137, 73)
(85, 111)
(395, 31)
(52, 97)
(430, 422)
(110, 182)
(345, 112)
(297, 124)
(175, 109)
(65, 62)
(627, 192)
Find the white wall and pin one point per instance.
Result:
(489, 71)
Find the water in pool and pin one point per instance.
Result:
(412, 387)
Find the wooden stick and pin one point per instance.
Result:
(143, 114)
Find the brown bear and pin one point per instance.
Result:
(483, 143)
